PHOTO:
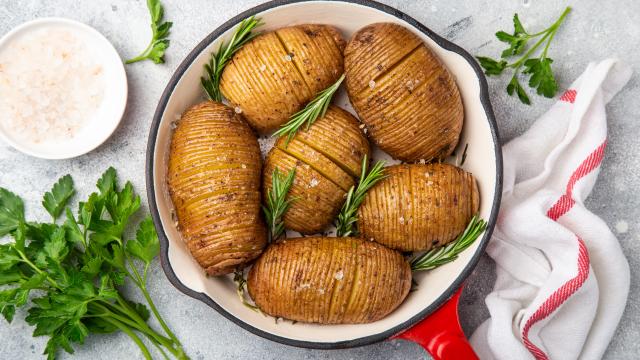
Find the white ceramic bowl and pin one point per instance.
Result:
(105, 120)
(483, 160)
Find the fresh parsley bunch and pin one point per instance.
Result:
(537, 68)
(73, 268)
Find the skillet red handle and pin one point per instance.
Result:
(441, 334)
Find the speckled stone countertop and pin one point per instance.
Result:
(595, 30)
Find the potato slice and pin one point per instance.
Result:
(329, 280)
(337, 135)
(214, 178)
(279, 72)
(328, 157)
(317, 161)
(408, 100)
(318, 199)
(418, 207)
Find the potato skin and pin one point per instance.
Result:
(329, 280)
(277, 73)
(325, 157)
(408, 100)
(214, 178)
(418, 207)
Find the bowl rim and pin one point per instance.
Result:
(361, 341)
(122, 83)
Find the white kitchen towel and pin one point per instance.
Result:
(562, 279)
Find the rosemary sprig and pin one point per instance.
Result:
(243, 34)
(346, 221)
(277, 202)
(241, 283)
(310, 113)
(445, 254)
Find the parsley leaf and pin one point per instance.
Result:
(11, 211)
(55, 200)
(514, 86)
(159, 35)
(541, 76)
(537, 68)
(146, 245)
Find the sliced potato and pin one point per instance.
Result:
(417, 207)
(214, 178)
(338, 136)
(326, 157)
(277, 73)
(317, 199)
(408, 100)
(329, 280)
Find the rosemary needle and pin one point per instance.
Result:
(314, 110)
(277, 202)
(243, 34)
(345, 224)
(445, 254)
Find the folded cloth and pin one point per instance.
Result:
(562, 279)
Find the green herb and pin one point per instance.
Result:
(277, 202)
(241, 283)
(314, 110)
(56, 200)
(77, 267)
(445, 254)
(159, 35)
(538, 68)
(243, 34)
(346, 221)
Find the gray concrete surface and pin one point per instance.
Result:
(595, 30)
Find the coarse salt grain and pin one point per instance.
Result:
(372, 84)
(339, 275)
(313, 183)
(50, 85)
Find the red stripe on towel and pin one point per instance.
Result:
(569, 96)
(561, 207)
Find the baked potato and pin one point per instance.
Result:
(417, 207)
(214, 180)
(329, 280)
(328, 159)
(402, 92)
(279, 72)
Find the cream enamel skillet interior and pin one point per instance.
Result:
(435, 287)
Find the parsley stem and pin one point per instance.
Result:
(37, 269)
(526, 56)
(554, 29)
(141, 283)
(132, 335)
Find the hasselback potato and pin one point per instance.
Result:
(408, 100)
(328, 159)
(329, 280)
(214, 180)
(277, 73)
(418, 207)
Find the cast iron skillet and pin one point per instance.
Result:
(429, 315)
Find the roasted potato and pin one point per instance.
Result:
(417, 207)
(403, 93)
(279, 72)
(328, 159)
(329, 280)
(214, 182)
